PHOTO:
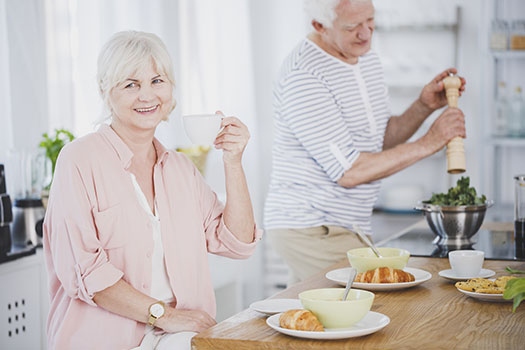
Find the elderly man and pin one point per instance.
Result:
(335, 138)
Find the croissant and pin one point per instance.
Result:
(301, 320)
(385, 275)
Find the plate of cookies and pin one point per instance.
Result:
(381, 278)
(485, 289)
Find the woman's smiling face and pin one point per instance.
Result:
(143, 100)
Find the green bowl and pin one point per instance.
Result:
(364, 259)
(332, 312)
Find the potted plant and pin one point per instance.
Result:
(52, 144)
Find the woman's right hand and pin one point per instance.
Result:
(177, 320)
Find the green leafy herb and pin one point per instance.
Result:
(513, 271)
(53, 144)
(515, 289)
(461, 194)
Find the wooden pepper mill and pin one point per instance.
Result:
(455, 149)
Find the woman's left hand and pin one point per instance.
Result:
(232, 139)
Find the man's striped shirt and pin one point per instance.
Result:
(326, 113)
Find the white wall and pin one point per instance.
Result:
(23, 92)
(277, 26)
(28, 104)
(6, 140)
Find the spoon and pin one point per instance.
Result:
(353, 273)
(364, 237)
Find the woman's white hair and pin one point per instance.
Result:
(125, 53)
(323, 11)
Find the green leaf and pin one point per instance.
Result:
(515, 289)
(513, 271)
(461, 194)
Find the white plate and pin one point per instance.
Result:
(449, 274)
(341, 276)
(274, 306)
(372, 322)
(486, 297)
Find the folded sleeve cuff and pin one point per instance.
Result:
(99, 279)
(239, 248)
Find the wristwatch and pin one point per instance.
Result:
(156, 311)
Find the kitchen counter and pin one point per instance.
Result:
(433, 314)
(496, 239)
(17, 253)
(410, 230)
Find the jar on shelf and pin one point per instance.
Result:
(499, 35)
(516, 125)
(517, 35)
(502, 111)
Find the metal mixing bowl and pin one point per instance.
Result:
(454, 225)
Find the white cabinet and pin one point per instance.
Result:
(24, 303)
(502, 155)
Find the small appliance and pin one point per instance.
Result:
(8, 251)
(6, 216)
(27, 215)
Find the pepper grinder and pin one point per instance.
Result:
(455, 149)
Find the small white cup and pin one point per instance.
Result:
(202, 129)
(466, 263)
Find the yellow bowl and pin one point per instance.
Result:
(332, 312)
(364, 259)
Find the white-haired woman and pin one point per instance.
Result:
(129, 223)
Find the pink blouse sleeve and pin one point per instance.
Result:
(70, 238)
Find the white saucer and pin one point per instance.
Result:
(448, 274)
(341, 276)
(486, 297)
(274, 306)
(372, 322)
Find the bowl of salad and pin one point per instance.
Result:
(457, 215)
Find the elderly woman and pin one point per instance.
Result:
(129, 223)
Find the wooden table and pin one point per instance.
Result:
(428, 316)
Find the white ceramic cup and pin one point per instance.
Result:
(466, 263)
(202, 129)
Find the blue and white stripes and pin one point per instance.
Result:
(326, 113)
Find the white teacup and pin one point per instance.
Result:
(202, 129)
(466, 263)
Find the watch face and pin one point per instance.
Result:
(157, 310)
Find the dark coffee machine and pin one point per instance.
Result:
(6, 216)
(28, 213)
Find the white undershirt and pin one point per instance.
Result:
(160, 286)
